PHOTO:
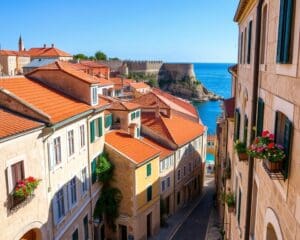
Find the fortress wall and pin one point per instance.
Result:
(177, 71)
(147, 67)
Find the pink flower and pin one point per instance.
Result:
(271, 136)
(265, 133)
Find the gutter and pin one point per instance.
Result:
(253, 118)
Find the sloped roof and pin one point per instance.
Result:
(13, 123)
(13, 53)
(52, 102)
(69, 69)
(39, 63)
(47, 52)
(124, 106)
(92, 64)
(164, 152)
(177, 129)
(139, 85)
(133, 148)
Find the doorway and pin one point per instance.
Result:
(122, 232)
(149, 225)
(168, 205)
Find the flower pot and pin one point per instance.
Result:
(243, 156)
(230, 209)
(273, 166)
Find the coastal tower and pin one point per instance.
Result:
(21, 45)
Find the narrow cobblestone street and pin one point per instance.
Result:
(195, 226)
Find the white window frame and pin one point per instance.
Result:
(94, 96)
(84, 179)
(82, 136)
(56, 154)
(71, 144)
(72, 191)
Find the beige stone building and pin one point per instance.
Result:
(266, 98)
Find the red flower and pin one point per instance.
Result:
(265, 133)
(271, 136)
(271, 145)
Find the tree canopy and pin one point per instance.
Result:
(100, 55)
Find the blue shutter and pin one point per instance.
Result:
(288, 127)
(108, 121)
(92, 131)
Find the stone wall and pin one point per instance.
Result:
(146, 67)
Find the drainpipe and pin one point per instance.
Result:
(253, 118)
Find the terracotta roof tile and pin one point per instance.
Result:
(124, 106)
(47, 52)
(135, 149)
(172, 127)
(13, 53)
(139, 85)
(12, 123)
(164, 152)
(118, 80)
(57, 105)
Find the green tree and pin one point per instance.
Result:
(100, 55)
(80, 56)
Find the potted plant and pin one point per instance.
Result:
(230, 201)
(265, 148)
(25, 188)
(241, 150)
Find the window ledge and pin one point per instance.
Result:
(286, 69)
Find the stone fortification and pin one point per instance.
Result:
(145, 67)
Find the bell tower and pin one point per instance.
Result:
(21, 45)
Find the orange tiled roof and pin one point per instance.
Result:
(13, 53)
(150, 100)
(12, 123)
(133, 148)
(92, 64)
(47, 52)
(70, 69)
(124, 106)
(118, 80)
(178, 129)
(57, 105)
(164, 152)
(139, 85)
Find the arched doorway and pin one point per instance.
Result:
(33, 234)
(271, 234)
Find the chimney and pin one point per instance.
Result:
(169, 114)
(52, 45)
(132, 130)
(44, 45)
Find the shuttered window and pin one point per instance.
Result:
(132, 115)
(86, 228)
(92, 131)
(148, 169)
(100, 130)
(237, 125)
(249, 42)
(241, 47)
(75, 235)
(283, 136)
(285, 32)
(149, 193)
(245, 129)
(108, 121)
(93, 168)
(239, 207)
(260, 117)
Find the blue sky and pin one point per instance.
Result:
(168, 30)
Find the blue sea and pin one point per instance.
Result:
(216, 78)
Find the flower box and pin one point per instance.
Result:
(241, 150)
(243, 156)
(273, 167)
(231, 209)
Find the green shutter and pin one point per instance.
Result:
(132, 115)
(149, 193)
(288, 128)
(237, 124)
(285, 31)
(276, 123)
(260, 117)
(148, 169)
(108, 121)
(100, 130)
(138, 113)
(239, 207)
(245, 129)
(92, 131)
(94, 174)
(249, 42)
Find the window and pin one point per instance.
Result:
(249, 42)
(245, 129)
(244, 46)
(149, 193)
(183, 170)
(168, 182)
(263, 34)
(86, 228)
(190, 167)
(17, 172)
(59, 205)
(82, 136)
(72, 191)
(75, 235)
(84, 180)
(137, 114)
(57, 150)
(138, 132)
(96, 129)
(94, 96)
(93, 168)
(163, 185)
(285, 31)
(178, 198)
(241, 47)
(283, 136)
(178, 175)
(133, 116)
(237, 125)
(239, 207)
(108, 120)
(71, 142)
(260, 117)
(148, 169)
